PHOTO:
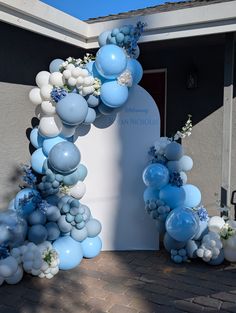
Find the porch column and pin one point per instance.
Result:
(227, 120)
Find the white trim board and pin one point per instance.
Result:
(41, 18)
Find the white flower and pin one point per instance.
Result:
(125, 79)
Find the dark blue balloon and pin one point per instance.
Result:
(64, 157)
(37, 234)
(156, 175)
(173, 196)
(26, 207)
(151, 193)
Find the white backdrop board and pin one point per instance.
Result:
(115, 158)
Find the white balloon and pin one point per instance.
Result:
(80, 81)
(67, 74)
(14, 279)
(72, 81)
(216, 223)
(88, 81)
(35, 96)
(50, 126)
(230, 254)
(42, 78)
(78, 190)
(230, 242)
(48, 108)
(68, 131)
(45, 92)
(84, 72)
(56, 79)
(70, 66)
(76, 72)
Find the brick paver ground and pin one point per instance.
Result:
(126, 282)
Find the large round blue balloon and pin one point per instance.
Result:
(72, 109)
(113, 94)
(156, 175)
(136, 70)
(55, 65)
(151, 193)
(26, 207)
(70, 252)
(170, 243)
(37, 160)
(49, 143)
(182, 224)
(173, 196)
(102, 38)
(192, 196)
(110, 61)
(36, 139)
(91, 247)
(64, 157)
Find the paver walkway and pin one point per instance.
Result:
(126, 282)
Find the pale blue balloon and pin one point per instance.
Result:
(64, 157)
(94, 227)
(91, 247)
(170, 243)
(29, 206)
(151, 193)
(70, 252)
(110, 61)
(49, 143)
(113, 94)
(192, 196)
(72, 109)
(186, 163)
(174, 151)
(93, 101)
(203, 230)
(73, 178)
(136, 70)
(102, 38)
(184, 177)
(37, 161)
(182, 224)
(36, 139)
(55, 65)
(37, 234)
(89, 66)
(82, 171)
(104, 109)
(90, 117)
(173, 196)
(156, 175)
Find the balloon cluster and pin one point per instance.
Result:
(46, 227)
(183, 224)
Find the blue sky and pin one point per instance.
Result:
(84, 9)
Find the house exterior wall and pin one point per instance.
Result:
(204, 104)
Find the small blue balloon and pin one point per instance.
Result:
(91, 247)
(53, 231)
(94, 227)
(219, 259)
(36, 139)
(64, 157)
(113, 94)
(110, 61)
(170, 243)
(37, 161)
(72, 109)
(182, 224)
(192, 196)
(70, 252)
(174, 166)
(136, 70)
(102, 38)
(191, 248)
(93, 101)
(82, 172)
(151, 193)
(26, 207)
(173, 196)
(90, 117)
(120, 38)
(55, 65)
(49, 143)
(174, 151)
(37, 217)
(186, 163)
(156, 175)
(37, 234)
(104, 109)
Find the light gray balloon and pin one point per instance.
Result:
(79, 234)
(94, 227)
(63, 225)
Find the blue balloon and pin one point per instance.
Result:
(156, 175)
(90, 117)
(89, 66)
(37, 161)
(182, 224)
(26, 207)
(52, 231)
(91, 247)
(219, 259)
(186, 163)
(174, 151)
(136, 70)
(94, 227)
(113, 94)
(102, 38)
(184, 177)
(151, 193)
(104, 109)
(73, 178)
(64, 157)
(110, 61)
(49, 143)
(174, 166)
(36, 139)
(93, 101)
(55, 65)
(170, 243)
(37, 234)
(191, 248)
(192, 196)
(203, 230)
(82, 171)
(173, 196)
(70, 252)
(37, 217)
(72, 109)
